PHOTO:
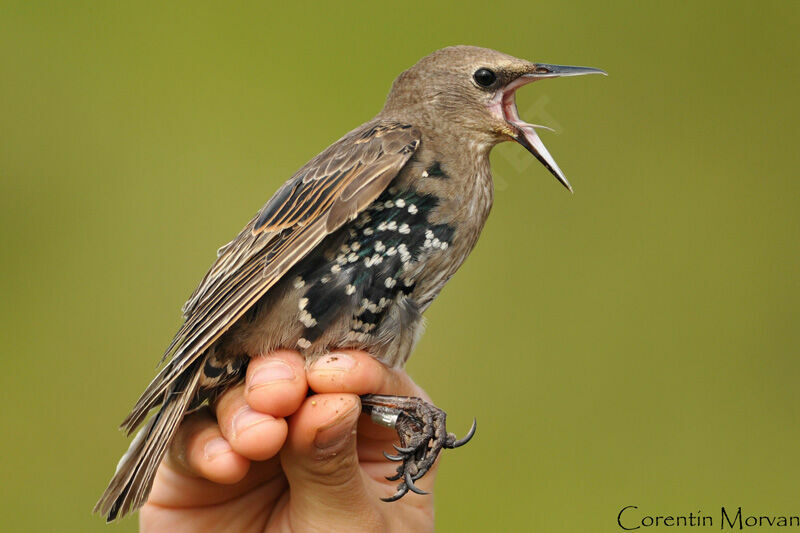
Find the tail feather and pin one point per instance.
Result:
(131, 484)
(150, 398)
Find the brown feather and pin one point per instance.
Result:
(132, 481)
(361, 164)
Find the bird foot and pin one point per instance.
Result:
(423, 434)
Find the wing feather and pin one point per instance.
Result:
(330, 190)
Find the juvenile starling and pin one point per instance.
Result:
(348, 254)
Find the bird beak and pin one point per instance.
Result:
(505, 107)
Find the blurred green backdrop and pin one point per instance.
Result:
(634, 344)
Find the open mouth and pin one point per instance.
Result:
(504, 107)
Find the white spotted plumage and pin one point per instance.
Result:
(303, 343)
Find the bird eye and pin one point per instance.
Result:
(484, 77)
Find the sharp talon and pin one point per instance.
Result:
(397, 495)
(421, 429)
(467, 437)
(411, 486)
(393, 457)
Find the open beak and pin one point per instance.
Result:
(504, 106)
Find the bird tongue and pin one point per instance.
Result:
(506, 104)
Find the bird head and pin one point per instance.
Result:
(468, 93)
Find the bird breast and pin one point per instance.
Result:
(367, 284)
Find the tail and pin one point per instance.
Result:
(131, 484)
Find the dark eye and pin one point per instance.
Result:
(484, 77)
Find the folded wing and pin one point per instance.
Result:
(327, 192)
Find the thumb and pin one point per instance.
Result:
(320, 461)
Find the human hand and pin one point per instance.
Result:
(266, 457)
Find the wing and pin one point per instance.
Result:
(327, 192)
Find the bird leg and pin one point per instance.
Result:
(422, 431)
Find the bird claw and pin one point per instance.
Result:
(397, 495)
(423, 435)
(410, 484)
(393, 457)
(452, 442)
(404, 451)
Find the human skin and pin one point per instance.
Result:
(267, 457)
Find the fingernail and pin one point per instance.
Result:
(271, 372)
(339, 362)
(247, 418)
(216, 447)
(335, 432)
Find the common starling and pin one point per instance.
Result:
(348, 254)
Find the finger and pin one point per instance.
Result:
(276, 383)
(187, 478)
(199, 449)
(321, 464)
(175, 502)
(358, 372)
(252, 434)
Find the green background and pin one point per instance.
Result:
(633, 344)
